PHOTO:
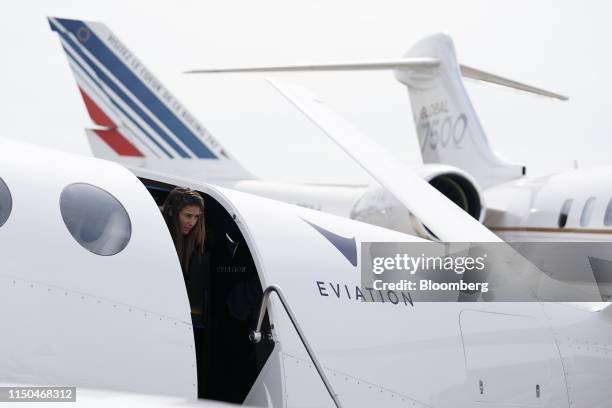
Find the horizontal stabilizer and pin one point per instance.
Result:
(415, 64)
(478, 75)
(404, 63)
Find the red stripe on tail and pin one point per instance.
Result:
(118, 142)
(96, 114)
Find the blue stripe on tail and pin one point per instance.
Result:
(117, 106)
(93, 44)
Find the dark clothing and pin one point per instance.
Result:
(244, 298)
(197, 281)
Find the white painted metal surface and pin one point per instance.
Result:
(529, 209)
(73, 317)
(374, 353)
(425, 202)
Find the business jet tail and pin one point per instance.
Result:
(139, 122)
(447, 125)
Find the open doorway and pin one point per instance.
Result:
(225, 296)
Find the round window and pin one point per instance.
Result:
(95, 218)
(6, 202)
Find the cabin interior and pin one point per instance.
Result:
(225, 294)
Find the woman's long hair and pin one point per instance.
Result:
(186, 245)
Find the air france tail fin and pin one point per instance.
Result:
(139, 122)
(447, 125)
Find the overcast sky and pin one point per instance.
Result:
(562, 46)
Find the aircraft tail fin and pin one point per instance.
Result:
(447, 125)
(139, 119)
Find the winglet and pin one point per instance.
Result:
(442, 216)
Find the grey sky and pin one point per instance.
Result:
(558, 45)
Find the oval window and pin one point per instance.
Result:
(6, 202)
(608, 215)
(585, 217)
(565, 209)
(95, 218)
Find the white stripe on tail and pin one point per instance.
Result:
(139, 121)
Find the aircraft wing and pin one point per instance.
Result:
(443, 217)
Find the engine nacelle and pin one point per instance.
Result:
(379, 207)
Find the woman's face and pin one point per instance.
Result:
(188, 218)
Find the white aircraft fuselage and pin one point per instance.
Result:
(532, 209)
(122, 321)
(526, 209)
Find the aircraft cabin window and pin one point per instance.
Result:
(587, 210)
(6, 202)
(608, 216)
(565, 209)
(96, 219)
